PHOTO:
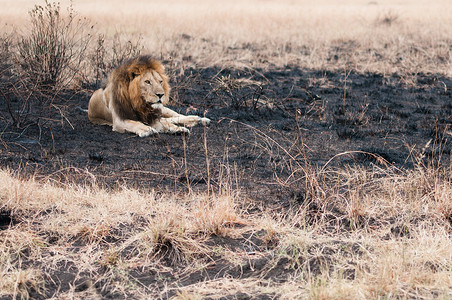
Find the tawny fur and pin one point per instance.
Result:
(133, 98)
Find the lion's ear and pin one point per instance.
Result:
(133, 75)
(133, 72)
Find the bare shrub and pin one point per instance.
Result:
(9, 84)
(5, 53)
(242, 93)
(50, 54)
(103, 61)
(42, 63)
(388, 18)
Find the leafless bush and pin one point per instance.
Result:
(46, 60)
(52, 51)
(388, 18)
(5, 53)
(9, 85)
(42, 63)
(103, 61)
(242, 93)
(50, 54)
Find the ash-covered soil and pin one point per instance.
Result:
(262, 119)
(266, 125)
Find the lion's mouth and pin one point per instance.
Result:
(157, 105)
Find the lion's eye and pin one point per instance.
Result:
(147, 82)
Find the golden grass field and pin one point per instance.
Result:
(407, 36)
(73, 240)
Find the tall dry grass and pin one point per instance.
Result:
(367, 36)
(122, 230)
(382, 233)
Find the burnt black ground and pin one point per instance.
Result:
(302, 111)
(258, 132)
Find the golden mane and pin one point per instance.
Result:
(126, 91)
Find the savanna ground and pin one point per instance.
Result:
(325, 173)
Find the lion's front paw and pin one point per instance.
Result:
(148, 132)
(205, 121)
(181, 129)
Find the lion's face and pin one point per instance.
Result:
(153, 87)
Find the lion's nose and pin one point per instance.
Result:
(160, 96)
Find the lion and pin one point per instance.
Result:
(133, 99)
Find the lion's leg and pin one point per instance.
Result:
(136, 127)
(189, 121)
(163, 125)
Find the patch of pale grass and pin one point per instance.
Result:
(423, 192)
(417, 267)
(92, 210)
(365, 266)
(18, 282)
(241, 288)
(17, 246)
(384, 37)
(16, 279)
(54, 216)
(378, 232)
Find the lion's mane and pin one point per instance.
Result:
(127, 98)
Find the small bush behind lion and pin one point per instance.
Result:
(43, 62)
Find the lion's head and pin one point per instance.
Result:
(140, 88)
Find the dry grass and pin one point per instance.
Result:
(364, 233)
(122, 230)
(374, 36)
(382, 233)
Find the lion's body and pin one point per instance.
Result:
(133, 99)
(98, 111)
